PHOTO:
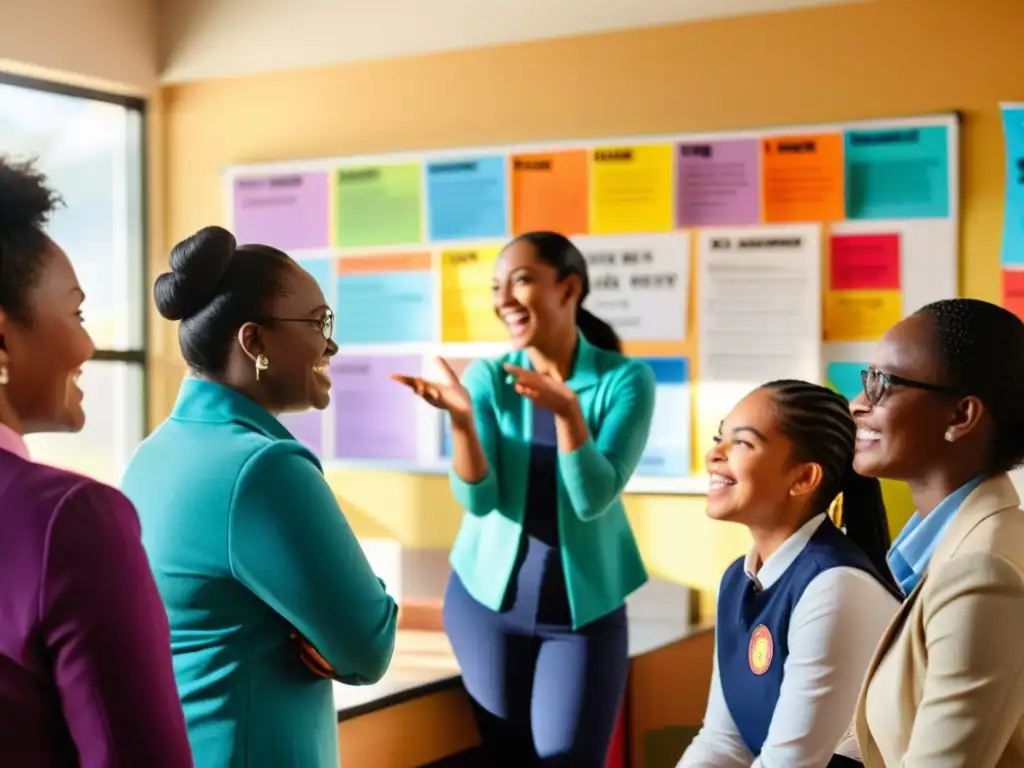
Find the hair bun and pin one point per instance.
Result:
(198, 264)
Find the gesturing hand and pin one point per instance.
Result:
(546, 390)
(447, 395)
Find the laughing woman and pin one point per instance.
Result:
(800, 615)
(544, 441)
(243, 532)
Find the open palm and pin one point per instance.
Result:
(448, 394)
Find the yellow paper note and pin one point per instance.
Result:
(631, 189)
(467, 308)
(861, 315)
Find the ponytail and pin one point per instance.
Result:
(861, 515)
(597, 331)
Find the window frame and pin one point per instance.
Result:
(138, 105)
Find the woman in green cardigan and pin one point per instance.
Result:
(245, 537)
(544, 440)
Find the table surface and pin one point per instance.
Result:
(423, 663)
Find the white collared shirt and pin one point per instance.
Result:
(835, 626)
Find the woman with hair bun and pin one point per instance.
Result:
(943, 410)
(251, 553)
(544, 440)
(85, 663)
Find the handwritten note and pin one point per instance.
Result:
(549, 193)
(286, 211)
(718, 183)
(1013, 205)
(467, 305)
(631, 189)
(378, 205)
(865, 262)
(385, 299)
(803, 178)
(861, 315)
(898, 173)
(374, 418)
(467, 198)
(639, 284)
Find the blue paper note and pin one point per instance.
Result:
(384, 307)
(668, 447)
(1013, 212)
(845, 378)
(322, 271)
(897, 173)
(467, 198)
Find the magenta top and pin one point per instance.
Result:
(85, 661)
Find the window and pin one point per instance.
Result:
(91, 145)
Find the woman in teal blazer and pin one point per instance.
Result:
(246, 540)
(544, 440)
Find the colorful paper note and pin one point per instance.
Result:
(802, 178)
(718, 182)
(374, 417)
(287, 211)
(845, 378)
(865, 262)
(322, 271)
(308, 428)
(631, 189)
(467, 198)
(1013, 291)
(668, 446)
(639, 284)
(378, 205)
(861, 315)
(467, 303)
(385, 299)
(1013, 206)
(897, 173)
(549, 193)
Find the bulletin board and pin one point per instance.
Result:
(782, 252)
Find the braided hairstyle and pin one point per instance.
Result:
(818, 423)
(26, 204)
(979, 348)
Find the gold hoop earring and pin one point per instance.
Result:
(262, 364)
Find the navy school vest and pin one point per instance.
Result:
(753, 627)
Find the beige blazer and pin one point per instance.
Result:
(946, 685)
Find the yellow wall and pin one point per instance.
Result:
(883, 59)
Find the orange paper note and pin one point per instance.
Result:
(550, 192)
(802, 178)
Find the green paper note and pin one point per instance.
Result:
(378, 205)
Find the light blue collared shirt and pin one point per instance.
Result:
(913, 549)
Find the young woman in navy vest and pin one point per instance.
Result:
(544, 439)
(800, 615)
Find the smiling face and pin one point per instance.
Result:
(46, 354)
(296, 346)
(754, 479)
(534, 305)
(904, 434)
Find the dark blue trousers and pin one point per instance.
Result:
(543, 693)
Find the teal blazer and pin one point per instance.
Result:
(600, 555)
(246, 541)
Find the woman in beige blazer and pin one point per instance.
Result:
(943, 410)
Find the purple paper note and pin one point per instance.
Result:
(375, 417)
(718, 182)
(287, 211)
(308, 429)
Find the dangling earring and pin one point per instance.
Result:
(261, 365)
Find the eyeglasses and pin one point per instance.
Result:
(324, 324)
(877, 384)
